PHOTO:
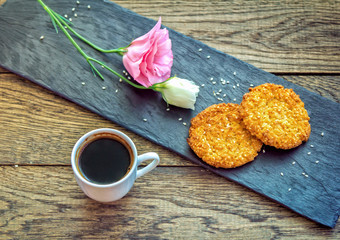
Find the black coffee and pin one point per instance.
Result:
(105, 160)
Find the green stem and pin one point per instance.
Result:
(57, 19)
(120, 51)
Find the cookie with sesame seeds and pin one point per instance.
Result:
(276, 116)
(218, 136)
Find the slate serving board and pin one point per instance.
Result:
(54, 64)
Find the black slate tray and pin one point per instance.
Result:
(54, 64)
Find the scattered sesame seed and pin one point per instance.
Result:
(116, 90)
(126, 74)
(228, 82)
(218, 93)
(42, 37)
(168, 109)
(70, 19)
(220, 99)
(73, 9)
(289, 189)
(88, 6)
(234, 86)
(317, 162)
(75, 15)
(322, 134)
(211, 79)
(309, 153)
(234, 73)
(312, 146)
(78, 2)
(16, 165)
(129, 77)
(103, 66)
(120, 80)
(202, 85)
(208, 57)
(237, 84)
(220, 90)
(200, 49)
(180, 119)
(281, 174)
(304, 174)
(124, 71)
(214, 93)
(293, 163)
(263, 150)
(234, 99)
(184, 123)
(224, 95)
(65, 16)
(103, 88)
(214, 82)
(83, 83)
(252, 85)
(145, 120)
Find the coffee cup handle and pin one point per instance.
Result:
(150, 166)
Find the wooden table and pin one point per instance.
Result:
(39, 198)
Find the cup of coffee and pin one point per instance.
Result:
(105, 161)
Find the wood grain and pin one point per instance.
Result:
(277, 36)
(45, 202)
(39, 127)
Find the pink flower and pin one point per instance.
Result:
(149, 57)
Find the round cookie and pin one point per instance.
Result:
(276, 116)
(217, 135)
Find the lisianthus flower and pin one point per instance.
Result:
(178, 92)
(149, 58)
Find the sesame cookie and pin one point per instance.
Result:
(276, 116)
(217, 135)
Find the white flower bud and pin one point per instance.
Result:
(178, 92)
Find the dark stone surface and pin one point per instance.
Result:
(55, 64)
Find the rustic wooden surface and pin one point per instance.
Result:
(39, 198)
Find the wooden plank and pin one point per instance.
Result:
(39, 127)
(43, 202)
(277, 36)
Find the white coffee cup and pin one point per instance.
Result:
(116, 190)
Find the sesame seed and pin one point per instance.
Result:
(263, 150)
(293, 163)
(312, 146)
(234, 99)
(75, 15)
(208, 57)
(184, 123)
(252, 85)
(120, 80)
(103, 88)
(145, 120)
(168, 109)
(200, 49)
(73, 9)
(180, 119)
(70, 19)
(317, 162)
(42, 37)
(281, 174)
(309, 153)
(88, 6)
(220, 90)
(234, 73)
(304, 174)
(65, 16)
(289, 189)
(211, 79)
(83, 83)
(228, 82)
(238, 85)
(78, 2)
(116, 90)
(214, 82)
(234, 86)
(220, 99)
(129, 77)
(322, 134)
(224, 95)
(202, 85)
(218, 93)
(16, 165)
(103, 66)
(124, 71)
